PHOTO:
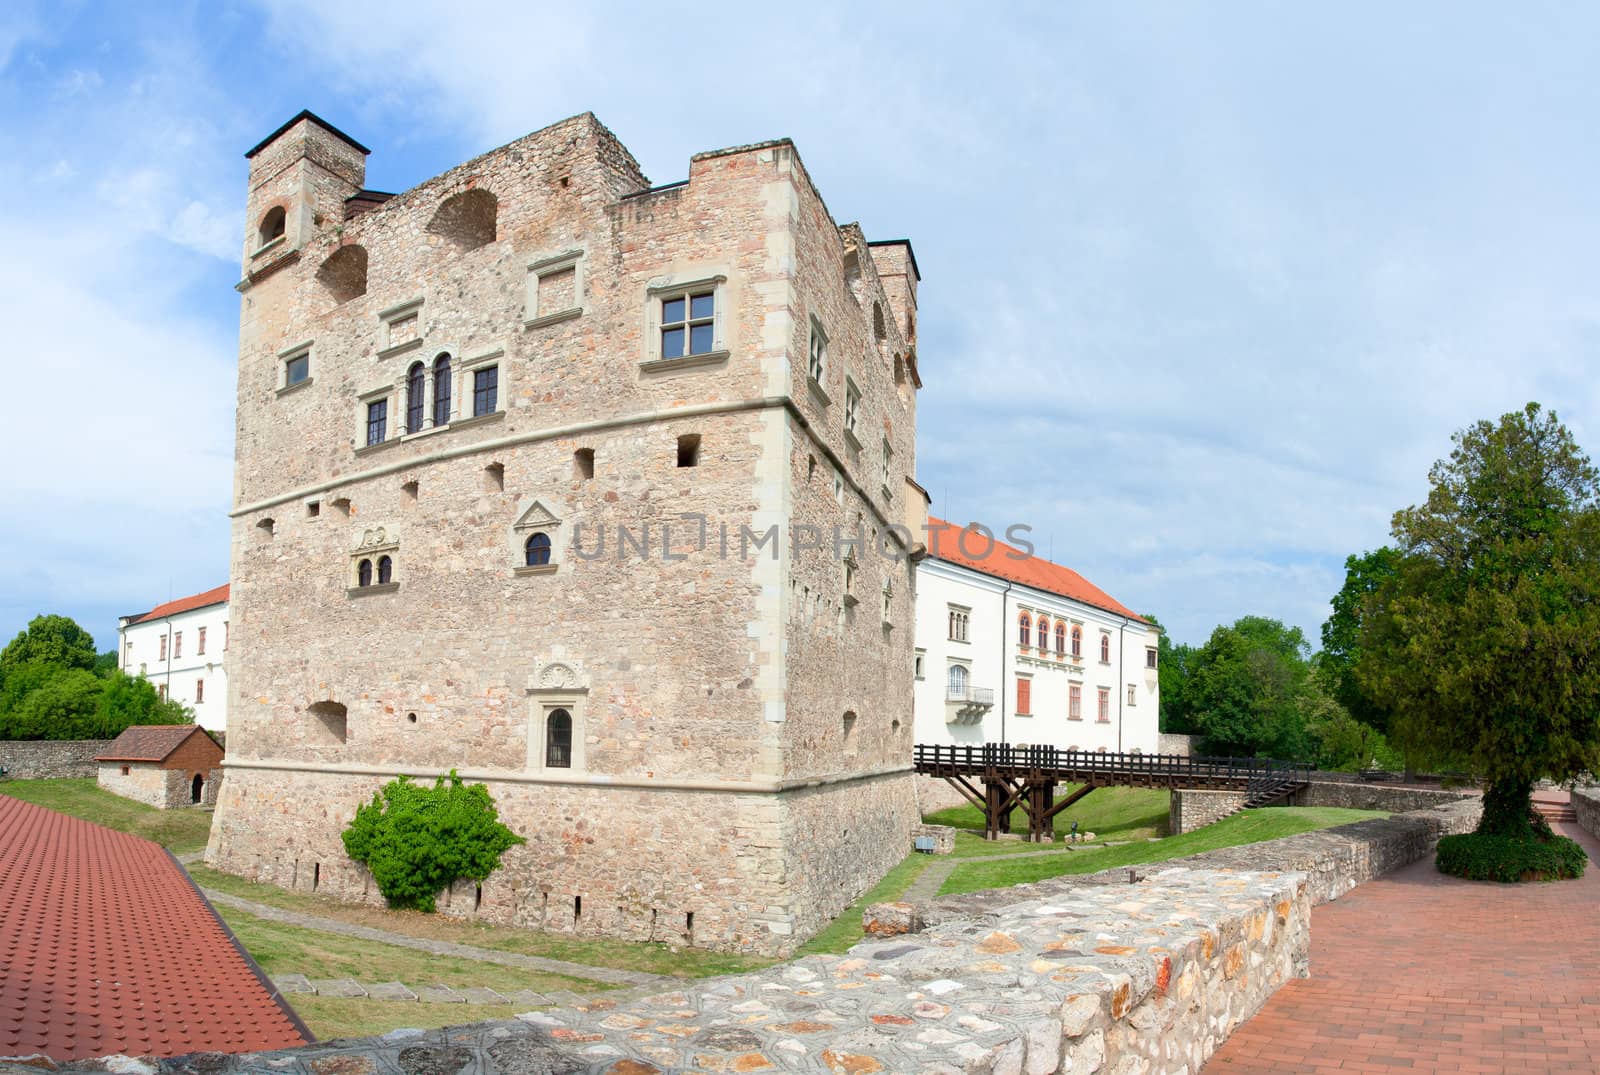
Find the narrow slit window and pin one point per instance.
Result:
(441, 390)
(416, 388)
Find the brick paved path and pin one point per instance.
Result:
(1420, 972)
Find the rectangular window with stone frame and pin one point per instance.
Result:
(688, 324)
(377, 421)
(817, 354)
(852, 409)
(485, 390)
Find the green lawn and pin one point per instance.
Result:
(177, 830)
(1247, 827)
(338, 1017)
(847, 930)
(1109, 813)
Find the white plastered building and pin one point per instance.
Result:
(182, 647)
(985, 675)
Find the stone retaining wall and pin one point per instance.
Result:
(1333, 860)
(1173, 743)
(1192, 808)
(49, 759)
(1586, 804)
(1396, 799)
(1147, 978)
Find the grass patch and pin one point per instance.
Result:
(341, 1017)
(590, 951)
(284, 949)
(1109, 813)
(846, 930)
(1247, 827)
(185, 829)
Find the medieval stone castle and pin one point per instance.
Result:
(520, 454)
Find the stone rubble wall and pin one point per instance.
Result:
(1395, 799)
(1148, 977)
(1586, 804)
(1333, 860)
(1192, 808)
(50, 759)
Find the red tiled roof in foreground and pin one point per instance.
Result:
(185, 604)
(107, 947)
(995, 557)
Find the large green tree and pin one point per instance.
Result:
(1246, 686)
(1486, 642)
(1172, 672)
(50, 640)
(1341, 634)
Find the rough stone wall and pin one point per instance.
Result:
(51, 759)
(1586, 804)
(145, 782)
(1145, 978)
(1192, 808)
(1372, 796)
(1172, 743)
(934, 794)
(714, 711)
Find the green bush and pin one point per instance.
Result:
(417, 840)
(1480, 857)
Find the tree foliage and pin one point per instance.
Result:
(54, 686)
(417, 840)
(1364, 575)
(1247, 686)
(1486, 641)
(1172, 677)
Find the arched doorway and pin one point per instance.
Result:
(197, 787)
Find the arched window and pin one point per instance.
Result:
(1041, 631)
(272, 225)
(441, 390)
(1077, 641)
(467, 219)
(1061, 638)
(558, 740)
(958, 682)
(385, 570)
(1105, 649)
(1024, 629)
(537, 550)
(416, 388)
(364, 573)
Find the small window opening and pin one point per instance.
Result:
(316, 875)
(342, 506)
(364, 573)
(313, 509)
(125, 770)
(689, 450)
(849, 733)
(577, 908)
(688, 925)
(811, 466)
(583, 464)
(536, 550)
(477, 896)
(266, 528)
(410, 490)
(412, 717)
(494, 477)
(385, 570)
(558, 740)
(272, 225)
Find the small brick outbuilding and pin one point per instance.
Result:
(163, 765)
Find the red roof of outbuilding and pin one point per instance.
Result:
(185, 604)
(996, 558)
(107, 947)
(152, 742)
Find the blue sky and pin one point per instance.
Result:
(1207, 288)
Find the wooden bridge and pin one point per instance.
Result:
(1026, 777)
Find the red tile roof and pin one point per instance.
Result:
(185, 604)
(107, 947)
(996, 558)
(150, 742)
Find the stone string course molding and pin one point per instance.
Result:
(1147, 977)
(49, 759)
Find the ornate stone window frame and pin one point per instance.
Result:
(536, 518)
(679, 285)
(533, 316)
(557, 684)
(373, 543)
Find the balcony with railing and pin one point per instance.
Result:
(966, 704)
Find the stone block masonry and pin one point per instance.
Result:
(50, 759)
(1586, 804)
(1148, 977)
(1193, 808)
(454, 403)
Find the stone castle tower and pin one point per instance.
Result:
(538, 476)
